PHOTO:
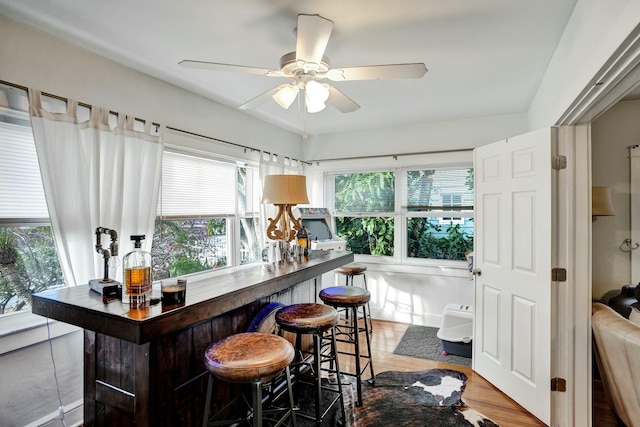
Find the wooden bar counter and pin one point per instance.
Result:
(144, 368)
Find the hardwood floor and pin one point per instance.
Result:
(479, 394)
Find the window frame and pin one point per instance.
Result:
(401, 214)
(330, 190)
(192, 145)
(17, 117)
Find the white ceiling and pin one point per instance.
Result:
(484, 57)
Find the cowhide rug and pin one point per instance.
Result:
(431, 397)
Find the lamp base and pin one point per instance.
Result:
(106, 289)
(289, 224)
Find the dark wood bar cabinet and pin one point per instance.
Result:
(144, 367)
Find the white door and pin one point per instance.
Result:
(513, 256)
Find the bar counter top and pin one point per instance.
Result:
(208, 295)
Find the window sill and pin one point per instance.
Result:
(24, 329)
(433, 268)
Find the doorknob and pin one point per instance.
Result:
(476, 272)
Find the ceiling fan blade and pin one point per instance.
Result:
(259, 100)
(204, 65)
(379, 72)
(341, 101)
(313, 35)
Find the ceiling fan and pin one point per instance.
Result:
(308, 66)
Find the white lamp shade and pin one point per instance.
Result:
(315, 96)
(601, 204)
(285, 96)
(285, 190)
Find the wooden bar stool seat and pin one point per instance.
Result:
(307, 318)
(351, 270)
(255, 358)
(318, 320)
(353, 299)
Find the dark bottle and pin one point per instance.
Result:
(302, 239)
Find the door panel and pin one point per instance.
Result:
(513, 252)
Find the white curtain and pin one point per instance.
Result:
(272, 164)
(95, 176)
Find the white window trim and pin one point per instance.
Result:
(400, 216)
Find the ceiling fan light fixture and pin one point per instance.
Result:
(285, 96)
(314, 107)
(315, 96)
(317, 91)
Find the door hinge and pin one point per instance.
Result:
(559, 162)
(558, 384)
(558, 274)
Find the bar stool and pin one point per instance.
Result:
(250, 358)
(350, 271)
(316, 320)
(352, 298)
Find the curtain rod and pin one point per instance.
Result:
(61, 98)
(394, 156)
(245, 147)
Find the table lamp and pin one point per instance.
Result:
(601, 202)
(284, 191)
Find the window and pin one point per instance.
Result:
(432, 194)
(364, 210)
(206, 205)
(28, 258)
(372, 221)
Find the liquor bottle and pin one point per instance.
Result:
(302, 239)
(137, 276)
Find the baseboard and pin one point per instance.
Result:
(431, 320)
(73, 417)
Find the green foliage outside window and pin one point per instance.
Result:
(367, 236)
(28, 264)
(366, 192)
(430, 234)
(188, 246)
(430, 240)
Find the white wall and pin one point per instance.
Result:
(595, 30)
(448, 135)
(611, 134)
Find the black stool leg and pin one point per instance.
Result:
(356, 343)
(317, 342)
(292, 407)
(334, 351)
(207, 401)
(256, 402)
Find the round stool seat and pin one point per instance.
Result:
(345, 296)
(307, 318)
(249, 356)
(351, 269)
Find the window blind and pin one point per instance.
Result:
(21, 192)
(195, 186)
